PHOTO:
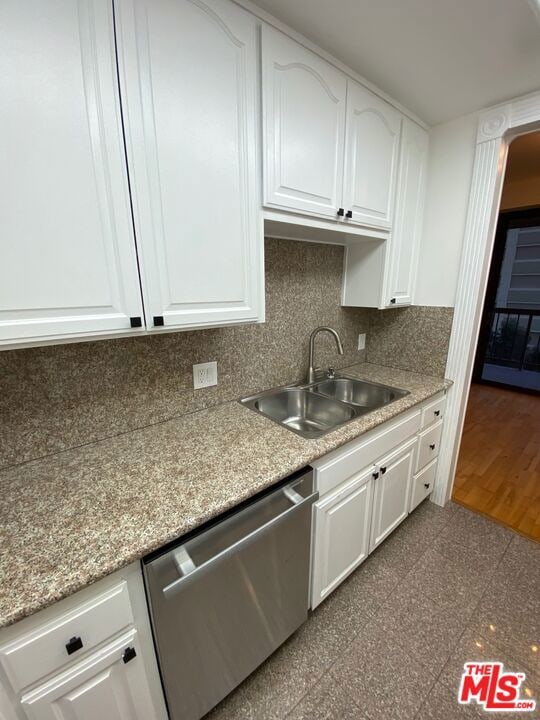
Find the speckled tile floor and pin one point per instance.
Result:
(447, 587)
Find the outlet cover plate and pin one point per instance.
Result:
(362, 341)
(204, 375)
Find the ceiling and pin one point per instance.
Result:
(523, 158)
(439, 59)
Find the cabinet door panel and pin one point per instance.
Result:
(69, 264)
(371, 154)
(405, 240)
(304, 126)
(189, 88)
(391, 492)
(101, 687)
(341, 534)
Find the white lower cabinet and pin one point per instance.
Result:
(341, 529)
(110, 685)
(88, 657)
(392, 488)
(367, 488)
(422, 484)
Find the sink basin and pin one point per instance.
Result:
(302, 411)
(358, 392)
(314, 410)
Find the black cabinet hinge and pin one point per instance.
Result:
(158, 321)
(135, 322)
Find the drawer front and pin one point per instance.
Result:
(422, 484)
(433, 411)
(45, 650)
(342, 464)
(428, 446)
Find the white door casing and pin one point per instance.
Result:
(69, 266)
(496, 128)
(188, 78)
(303, 127)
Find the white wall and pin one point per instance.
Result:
(452, 147)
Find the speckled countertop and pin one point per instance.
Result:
(72, 518)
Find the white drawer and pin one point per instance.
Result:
(422, 484)
(343, 463)
(428, 445)
(35, 655)
(433, 411)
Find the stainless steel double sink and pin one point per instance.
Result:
(314, 410)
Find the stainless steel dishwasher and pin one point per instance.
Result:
(224, 598)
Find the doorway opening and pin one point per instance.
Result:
(498, 469)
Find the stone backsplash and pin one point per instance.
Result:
(413, 338)
(57, 397)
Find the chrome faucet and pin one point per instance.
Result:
(312, 370)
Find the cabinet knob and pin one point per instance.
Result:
(436, 413)
(341, 212)
(383, 470)
(432, 446)
(426, 485)
(348, 214)
(393, 301)
(129, 654)
(73, 645)
(375, 475)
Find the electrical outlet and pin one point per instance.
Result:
(362, 341)
(204, 375)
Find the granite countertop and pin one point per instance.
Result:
(72, 518)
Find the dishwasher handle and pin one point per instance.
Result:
(187, 568)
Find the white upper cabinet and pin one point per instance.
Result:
(411, 190)
(371, 157)
(304, 127)
(68, 263)
(382, 274)
(188, 77)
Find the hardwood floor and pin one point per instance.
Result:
(498, 471)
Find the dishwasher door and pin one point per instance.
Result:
(222, 601)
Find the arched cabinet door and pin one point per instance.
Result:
(68, 265)
(303, 127)
(371, 157)
(405, 240)
(189, 86)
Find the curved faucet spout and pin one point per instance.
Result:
(312, 371)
